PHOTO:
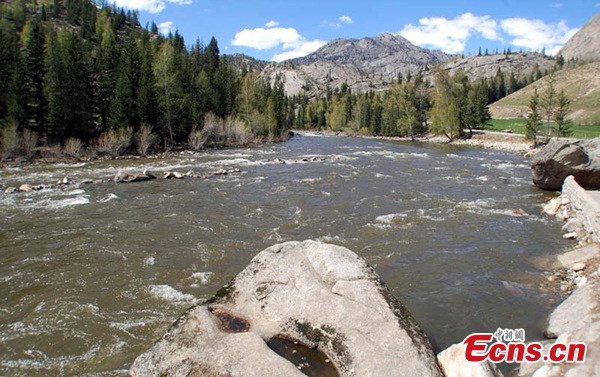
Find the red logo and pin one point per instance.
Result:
(510, 347)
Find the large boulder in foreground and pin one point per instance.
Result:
(562, 158)
(298, 307)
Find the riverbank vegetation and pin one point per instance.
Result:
(76, 78)
(411, 107)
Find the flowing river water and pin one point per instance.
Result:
(92, 275)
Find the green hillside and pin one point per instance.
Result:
(581, 84)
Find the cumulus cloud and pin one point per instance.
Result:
(450, 35)
(288, 40)
(150, 6)
(165, 27)
(272, 23)
(265, 39)
(537, 35)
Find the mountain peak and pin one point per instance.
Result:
(585, 44)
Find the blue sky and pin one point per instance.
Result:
(278, 29)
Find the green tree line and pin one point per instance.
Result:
(76, 69)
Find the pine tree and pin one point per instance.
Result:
(33, 54)
(547, 105)
(563, 125)
(478, 105)
(106, 62)
(124, 108)
(534, 120)
(8, 54)
(147, 102)
(17, 94)
(67, 88)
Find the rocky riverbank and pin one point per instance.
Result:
(481, 139)
(577, 274)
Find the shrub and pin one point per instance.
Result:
(222, 132)
(237, 133)
(196, 139)
(52, 151)
(28, 142)
(73, 147)
(144, 139)
(9, 139)
(114, 142)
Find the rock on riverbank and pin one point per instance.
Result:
(562, 158)
(297, 307)
(577, 319)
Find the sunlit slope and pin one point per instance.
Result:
(581, 84)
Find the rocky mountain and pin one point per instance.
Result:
(244, 62)
(585, 44)
(581, 84)
(522, 63)
(364, 64)
(374, 63)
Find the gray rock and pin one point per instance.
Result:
(579, 310)
(561, 158)
(552, 207)
(573, 225)
(453, 363)
(10, 190)
(66, 181)
(173, 175)
(580, 255)
(124, 176)
(317, 299)
(25, 188)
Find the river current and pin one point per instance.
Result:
(91, 275)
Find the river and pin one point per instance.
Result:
(92, 275)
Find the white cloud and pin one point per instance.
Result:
(165, 27)
(265, 39)
(345, 19)
(272, 23)
(150, 6)
(537, 35)
(557, 5)
(288, 40)
(337, 24)
(298, 49)
(450, 35)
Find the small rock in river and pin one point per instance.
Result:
(25, 188)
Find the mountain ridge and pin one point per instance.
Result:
(585, 44)
(373, 63)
